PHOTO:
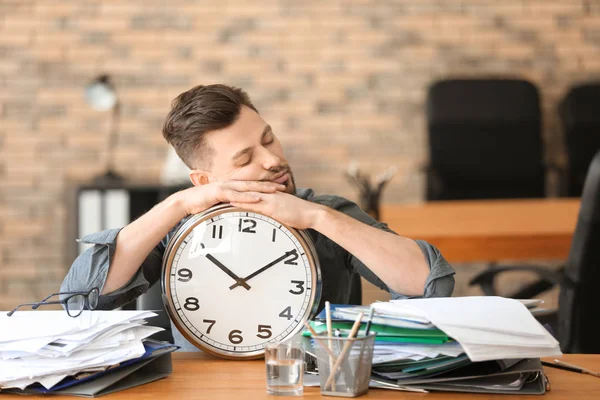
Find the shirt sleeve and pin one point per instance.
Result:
(90, 270)
(440, 281)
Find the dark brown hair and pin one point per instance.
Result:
(200, 110)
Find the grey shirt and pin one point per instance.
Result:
(338, 267)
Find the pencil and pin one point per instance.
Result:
(329, 334)
(315, 336)
(342, 356)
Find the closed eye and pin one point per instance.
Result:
(243, 164)
(269, 139)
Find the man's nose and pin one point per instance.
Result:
(269, 160)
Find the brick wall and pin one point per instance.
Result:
(338, 81)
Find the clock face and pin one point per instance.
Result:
(236, 280)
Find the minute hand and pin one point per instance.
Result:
(242, 281)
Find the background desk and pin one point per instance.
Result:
(199, 376)
(489, 230)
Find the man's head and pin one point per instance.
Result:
(219, 135)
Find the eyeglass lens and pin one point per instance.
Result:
(75, 305)
(93, 299)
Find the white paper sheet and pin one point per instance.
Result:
(44, 346)
(488, 328)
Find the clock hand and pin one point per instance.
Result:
(238, 280)
(242, 281)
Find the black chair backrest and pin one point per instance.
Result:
(485, 139)
(578, 312)
(580, 116)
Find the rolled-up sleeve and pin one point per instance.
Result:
(440, 282)
(90, 270)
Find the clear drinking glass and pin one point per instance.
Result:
(285, 369)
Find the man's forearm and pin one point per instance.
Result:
(397, 261)
(137, 240)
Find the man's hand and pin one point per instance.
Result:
(199, 198)
(285, 208)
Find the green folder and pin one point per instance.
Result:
(408, 339)
(387, 333)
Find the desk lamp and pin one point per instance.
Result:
(101, 96)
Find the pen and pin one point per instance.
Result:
(570, 367)
(368, 328)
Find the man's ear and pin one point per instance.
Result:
(199, 177)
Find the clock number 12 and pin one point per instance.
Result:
(247, 229)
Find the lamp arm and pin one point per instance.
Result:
(114, 136)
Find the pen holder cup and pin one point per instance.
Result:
(350, 360)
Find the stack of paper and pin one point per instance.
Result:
(487, 328)
(484, 344)
(47, 346)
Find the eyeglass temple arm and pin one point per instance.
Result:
(22, 305)
(61, 293)
(42, 303)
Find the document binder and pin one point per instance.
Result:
(482, 377)
(153, 365)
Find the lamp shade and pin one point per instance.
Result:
(100, 94)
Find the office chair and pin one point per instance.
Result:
(577, 320)
(581, 126)
(484, 140)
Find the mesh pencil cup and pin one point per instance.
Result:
(350, 360)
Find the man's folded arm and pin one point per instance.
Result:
(439, 282)
(90, 269)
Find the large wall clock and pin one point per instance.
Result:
(233, 281)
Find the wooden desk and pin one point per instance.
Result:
(199, 376)
(489, 230)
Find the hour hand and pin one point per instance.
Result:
(239, 281)
(242, 281)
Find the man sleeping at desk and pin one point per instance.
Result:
(235, 157)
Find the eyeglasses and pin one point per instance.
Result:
(74, 302)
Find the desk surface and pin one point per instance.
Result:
(200, 376)
(489, 230)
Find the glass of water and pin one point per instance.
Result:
(285, 369)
